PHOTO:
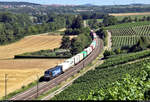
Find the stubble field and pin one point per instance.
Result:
(21, 72)
(129, 14)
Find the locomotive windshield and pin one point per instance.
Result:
(46, 72)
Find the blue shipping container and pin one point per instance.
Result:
(57, 70)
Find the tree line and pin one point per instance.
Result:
(80, 42)
(15, 26)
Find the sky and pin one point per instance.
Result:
(80, 2)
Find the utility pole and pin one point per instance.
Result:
(5, 86)
(37, 84)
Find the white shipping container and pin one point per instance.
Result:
(88, 50)
(65, 66)
(70, 61)
(76, 59)
(92, 47)
(80, 56)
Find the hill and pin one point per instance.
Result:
(18, 3)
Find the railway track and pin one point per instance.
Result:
(31, 93)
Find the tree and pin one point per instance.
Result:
(65, 44)
(108, 53)
(136, 19)
(142, 44)
(117, 51)
(77, 23)
(110, 20)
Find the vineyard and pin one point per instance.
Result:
(109, 72)
(124, 25)
(120, 41)
(128, 34)
(143, 30)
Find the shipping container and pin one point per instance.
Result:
(70, 61)
(88, 50)
(80, 56)
(84, 54)
(92, 47)
(76, 59)
(65, 66)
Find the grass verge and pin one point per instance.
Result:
(24, 88)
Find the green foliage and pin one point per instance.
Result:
(91, 15)
(128, 88)
(135, 18)
(102, 76)
(117, 51)
(13, 27)
(91, 11)
(108, 53)
(124, 58)
(49, 53)
(93, 23)
(81, 42)
(110, 20)
(128, 25)
(71, 31)
(142, 44)
(129, 34)
(103, 35)
(66, 43)
(127, 19)
(77, 23)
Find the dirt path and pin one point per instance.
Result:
(109, 40)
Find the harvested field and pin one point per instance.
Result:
(22, 72)
(30, 44)
(129, 14)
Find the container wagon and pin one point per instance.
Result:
(59, 69)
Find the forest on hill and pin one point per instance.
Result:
(15, 26)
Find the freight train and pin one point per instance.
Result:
(69, 63)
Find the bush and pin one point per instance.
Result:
(23, 87)
(72, 31)
(108, 53)
(117, 51)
